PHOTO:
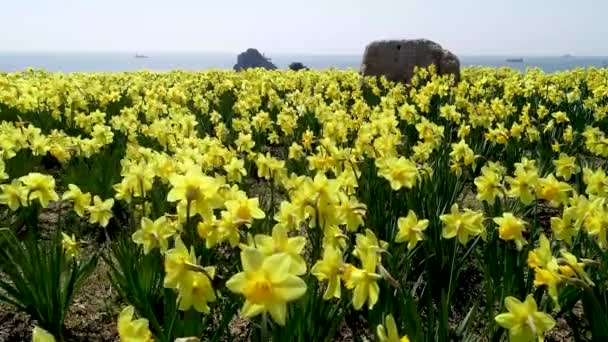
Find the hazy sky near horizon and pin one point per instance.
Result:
(467, 27)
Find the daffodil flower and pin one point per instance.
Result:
(329, 268)
(154, 234)
(388, 332)
(101, 211)
(41, 187)
(524, 321)
(266, 284)
(411, 230)
(133, 330)
(511, 228)
(81, 200)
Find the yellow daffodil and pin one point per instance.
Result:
(154, 234)
(545, 267)
(462, 225)
(351, 212)
(368, 243)
(563, 228)
(101, 211)
(266, 284)
(130, 330)
(235, 170)
(195, 192)
(364, 281)
(574, 268)
(244, 210)
(81, 200)
(177, 264)
(288, 215)
(388, 332)
(596, 181)
(71, 247)
(13, 195)
(511, 228)
(411, 230)
(552, 190)
(565, 166)
(329, 268)
(197, 291)
(40, 187)
(524, 321)
(488, 186)
(279, 242)
(525, 182)
(400, 172)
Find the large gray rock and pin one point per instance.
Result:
(252, 58)
(297, 66)
(396, 59)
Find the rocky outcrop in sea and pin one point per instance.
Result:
(396, 59)
(252, 58)
(297, 66)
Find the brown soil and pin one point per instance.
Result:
(92, 316)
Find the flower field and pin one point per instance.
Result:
(299, 202)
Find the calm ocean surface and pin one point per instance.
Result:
(83, 62)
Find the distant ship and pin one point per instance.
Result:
(140, 56)
(567, 56)
(515, 60)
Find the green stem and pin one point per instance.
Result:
(264, 327)
(271, 206)
(456, 243)
(143, 199)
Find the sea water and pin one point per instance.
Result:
(116, 61)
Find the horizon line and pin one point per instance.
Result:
(282, 53)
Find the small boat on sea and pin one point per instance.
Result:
(140, 56)
(515, 60)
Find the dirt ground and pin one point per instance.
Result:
(92, 316)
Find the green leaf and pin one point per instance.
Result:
(596, 315)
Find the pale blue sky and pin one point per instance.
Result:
(468, 27)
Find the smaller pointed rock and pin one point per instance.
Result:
(297, 66)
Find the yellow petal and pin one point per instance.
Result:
(250, 310)
(289, 289)
(515, 306)
(359, 296)
(277, 266)
(543, 321)
(278, 312)
(333, 288)
(237, 282)
(374, 294)
(297, 244)
(41, 335)
(391, 328)
(530, 304)
(506, 320)
(381, 333)
(298, 265)
(251, 259)
(125, 317)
